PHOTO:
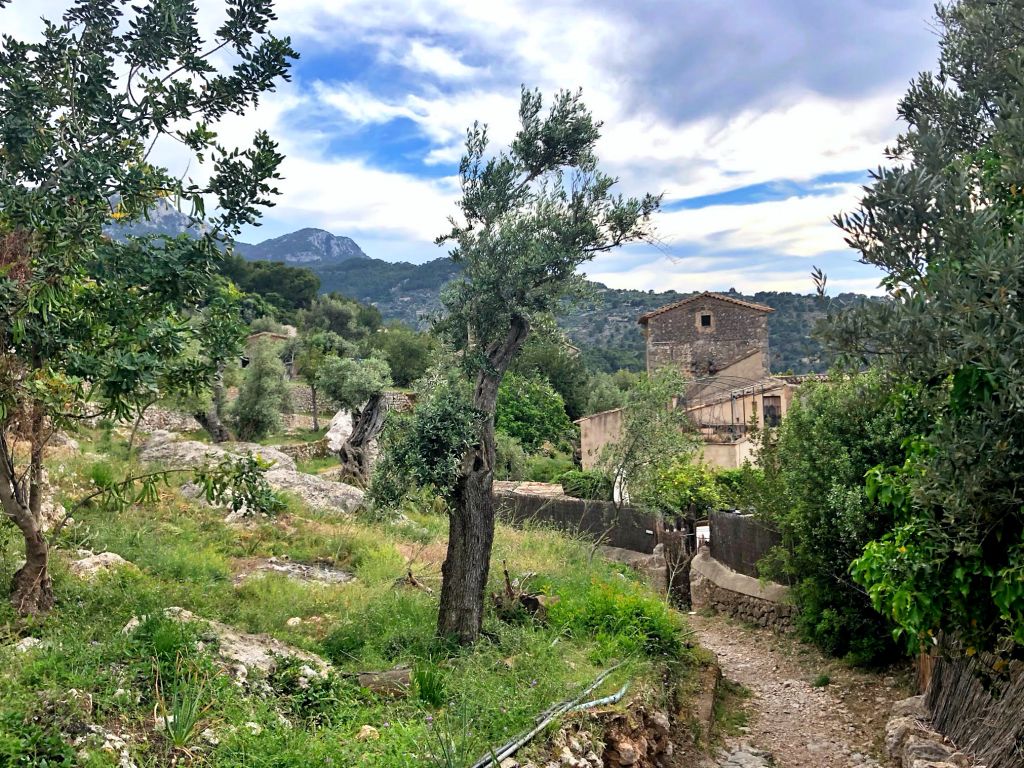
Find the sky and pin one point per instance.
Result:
(758, 120)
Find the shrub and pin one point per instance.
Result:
(587, 484)
(686, 483)
(623, 616)
(263, 394)
(511, 460)
(547, 469)
(530, 410)
(814, 493)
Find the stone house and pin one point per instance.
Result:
(709, 336)
(720, 344)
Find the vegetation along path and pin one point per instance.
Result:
(803, 709)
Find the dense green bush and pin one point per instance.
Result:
(587, 484)
(547, 469)
(814, 492)
(530, 410)
(685, 483)
(263, 394)
(738, 488)
(627, 616)
(510, 458)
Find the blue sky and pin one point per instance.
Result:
(757, 120)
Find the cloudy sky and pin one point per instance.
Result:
(756, 118)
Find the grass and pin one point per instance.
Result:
(186, 556)
(730, 713)
(315, 466)
(821, 681)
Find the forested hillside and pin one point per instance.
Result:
(604, 326)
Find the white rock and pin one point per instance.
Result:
(26, 644)
(340, 429)
(367, 733)
(255, 728)
(91, 566)
(294, 621)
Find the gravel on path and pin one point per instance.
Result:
(790, 722)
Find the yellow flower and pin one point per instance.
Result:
(902, 549)
(118, 214)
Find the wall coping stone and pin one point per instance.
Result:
(726, 578)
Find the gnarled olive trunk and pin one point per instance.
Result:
(316, 411)
(31, 588)
(212, 419)
(355, 452)
(471, 523)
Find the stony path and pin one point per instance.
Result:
(792, 724)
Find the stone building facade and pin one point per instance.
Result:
(709, 335)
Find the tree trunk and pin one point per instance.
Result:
(212, 420)
(471, 523)
(31, 588)
(214, 427)
(316, 420)
(355, 452)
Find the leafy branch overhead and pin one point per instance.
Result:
(531, 216)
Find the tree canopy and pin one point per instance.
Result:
(91, 326)
(945, 223)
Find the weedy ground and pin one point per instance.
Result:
(87, 671)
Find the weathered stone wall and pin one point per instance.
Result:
(302, 451)
(676, 337)
(714, 586)
(302, 400)
(596, 432)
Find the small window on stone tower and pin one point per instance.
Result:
(705, 321)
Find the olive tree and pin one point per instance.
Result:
(358, 386)
(945, 223)
(88, 326)
(529, 217)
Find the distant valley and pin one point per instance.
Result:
(604, 326)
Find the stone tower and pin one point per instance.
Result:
(709, 335)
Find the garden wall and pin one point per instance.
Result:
(713, 585)
(740, 541)
(625, 528)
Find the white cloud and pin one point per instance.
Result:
(435, 60)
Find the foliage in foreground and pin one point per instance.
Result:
(814, 467)
(187, 556)
(945, 224)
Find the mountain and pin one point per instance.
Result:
(603, 326)
(306, 247)
(314, 248)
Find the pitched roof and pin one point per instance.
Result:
(706, 295)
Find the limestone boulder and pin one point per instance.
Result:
(340, 429)
(88, 565)
(241, 651)
(168, 449)
(316, 492)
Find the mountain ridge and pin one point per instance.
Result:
(603, 325)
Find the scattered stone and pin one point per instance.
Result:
(315, 573)
(27, 644)
(242, 652)
(294, 621)
(97, 737)
(254, 728)
(340, 429)
(368, 733)
(90, 565)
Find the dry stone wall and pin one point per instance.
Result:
(714, 586)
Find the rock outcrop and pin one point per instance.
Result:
(243, 652)
(910, 742)
(174, 453)
(88, 565)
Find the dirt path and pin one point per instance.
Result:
(839, 725)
